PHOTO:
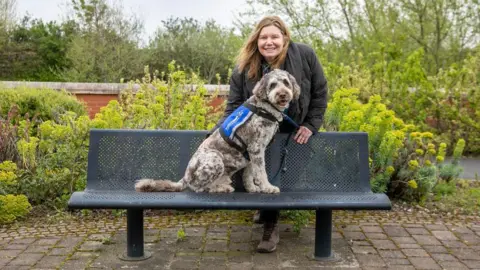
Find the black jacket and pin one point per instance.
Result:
(303, 64)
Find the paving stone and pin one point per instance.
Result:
(241, 247)
(420, 231)
(50, 262)
(372, 229)
(396, 261)
(265, 260)
(23, 241)
(443, 257)
(354, 235)
(195, 231)
(465, 254)
(37, 249)
(351, 228)
(415, 252)
(461, 230)
(444, 235)
(10, 253)
(426, 240)
(454, 244)
(395, 231)
(424, 263)
(364, 250)
(216, 246)
(47, 241)
(69, 242)
(28, 259)
(391, 254)
(435, 249)
(16, 247)
(469, 239)
(401, 267)
(436, 227)
(91, 246)
(376, 235)
(383, 244)
(370, 260)
(16, 267)
(240, 266)
(472, 264)
(404, 240)
(409, 246)
(59, 251)
(452, 265)
(240, 237)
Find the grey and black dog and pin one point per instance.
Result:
(211, 167)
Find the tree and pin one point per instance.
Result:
(106, 48)
(207, 48)
(7, 19)
(36, 50)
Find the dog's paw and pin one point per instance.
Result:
(252, 188)
(270, 189)
(222, 189)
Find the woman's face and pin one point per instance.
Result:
(270, 42)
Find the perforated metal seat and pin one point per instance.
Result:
(330, 172)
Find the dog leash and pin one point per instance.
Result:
(283, 163)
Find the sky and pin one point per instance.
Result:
(152, 12)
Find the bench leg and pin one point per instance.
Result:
(323, 235)
(135, 244)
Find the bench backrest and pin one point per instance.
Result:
(330, 162)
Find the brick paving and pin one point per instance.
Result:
(226, 240)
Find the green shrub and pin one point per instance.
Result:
(13, 207)
(403, 162)
(47, 104)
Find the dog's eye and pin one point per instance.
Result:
(273, 85)
(286, 82)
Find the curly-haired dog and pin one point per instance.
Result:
(249, 129)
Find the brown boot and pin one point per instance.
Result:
(270, 238)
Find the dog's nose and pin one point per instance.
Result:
(282, 96)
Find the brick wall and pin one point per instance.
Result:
(95, 102)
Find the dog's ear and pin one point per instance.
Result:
(295, 86)
(260, 89)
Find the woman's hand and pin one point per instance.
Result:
(303, 134)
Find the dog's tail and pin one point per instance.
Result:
(150, 185)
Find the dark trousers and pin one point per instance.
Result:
(269, 216)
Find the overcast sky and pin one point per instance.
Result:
(151, 11)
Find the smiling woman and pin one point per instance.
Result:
(270, 47)
(270, 43)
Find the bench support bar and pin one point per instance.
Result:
(323, 235)
(135, 251)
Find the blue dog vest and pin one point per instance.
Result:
(237, 119)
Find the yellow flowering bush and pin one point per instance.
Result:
(403, 161)
(13, 207)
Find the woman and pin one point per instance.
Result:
(267, 48)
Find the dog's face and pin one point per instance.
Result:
(278, 87)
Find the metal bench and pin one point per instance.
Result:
(331, 172)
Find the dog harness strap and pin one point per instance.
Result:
(261, 112)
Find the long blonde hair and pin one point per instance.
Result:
(250, 56)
